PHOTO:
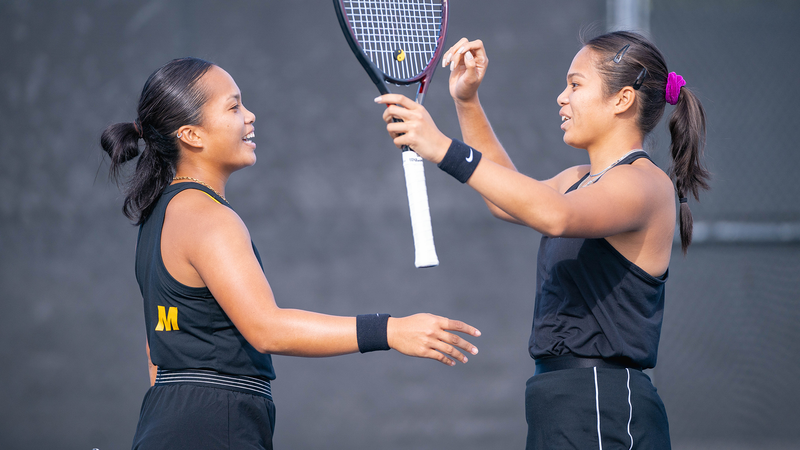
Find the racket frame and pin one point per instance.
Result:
(425, 249)
(378, 77)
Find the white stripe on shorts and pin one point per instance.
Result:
(597, 405)
(630, 407)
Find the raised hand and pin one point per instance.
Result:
(427, 336)
(468, 63)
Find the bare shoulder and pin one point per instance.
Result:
(650, 177)
(641, 182)
(643, 192)
(201, 218)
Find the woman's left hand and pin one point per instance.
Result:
(427, 336)
(417, 129)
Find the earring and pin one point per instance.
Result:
(179, 135)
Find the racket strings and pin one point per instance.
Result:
(399, 37)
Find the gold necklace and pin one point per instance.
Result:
(204, 184)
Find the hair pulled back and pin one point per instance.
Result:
(171, 98)
(620, 67)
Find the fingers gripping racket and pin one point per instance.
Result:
(400, 42)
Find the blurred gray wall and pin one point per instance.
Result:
(326, 206)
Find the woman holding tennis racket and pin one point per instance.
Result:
(211, 319)
(608, 228)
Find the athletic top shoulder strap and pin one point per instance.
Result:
(626, 160)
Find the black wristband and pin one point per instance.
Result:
(460, 161)
(371, 332)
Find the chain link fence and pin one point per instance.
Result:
(728, 367)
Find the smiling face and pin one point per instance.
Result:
(226, 126)
(586, 113)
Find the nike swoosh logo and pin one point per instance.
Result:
(469, 158)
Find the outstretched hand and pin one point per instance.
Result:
(426, 336)
(468, 63)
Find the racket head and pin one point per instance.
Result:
(396, 41)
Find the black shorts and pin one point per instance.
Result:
(595, 408)
(194, 417)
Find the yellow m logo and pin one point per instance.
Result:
(167, 320)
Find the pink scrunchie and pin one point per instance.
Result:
(674, 84)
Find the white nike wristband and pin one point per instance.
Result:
(460, 160)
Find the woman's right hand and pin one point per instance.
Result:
(426, 336)
(468, 62)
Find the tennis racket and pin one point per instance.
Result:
(400, 42)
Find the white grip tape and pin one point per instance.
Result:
(424, 249)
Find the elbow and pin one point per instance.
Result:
(264, 346)
(497, 212)
(494, 209)
(554, 230)
(266, 333)
(271, 346)
(552, 233)
(553, 224)
(271, 349)
(266, 343)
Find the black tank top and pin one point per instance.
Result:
(186, 328)
(592, 302)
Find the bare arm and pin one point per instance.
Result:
(217, 245)
(151, 368)
(468, 63)
(600, 210)
(624, 203)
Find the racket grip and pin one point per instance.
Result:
(424, 249)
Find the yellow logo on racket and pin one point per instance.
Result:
(399, 55)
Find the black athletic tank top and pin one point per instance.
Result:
(592, 302)
(186, 327)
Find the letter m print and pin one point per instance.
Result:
(167, 320)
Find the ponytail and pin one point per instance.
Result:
(170, 99)
(629, 59)
(121, 142)
(687, 128)
(154, 169)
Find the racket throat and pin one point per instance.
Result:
(423, 87)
